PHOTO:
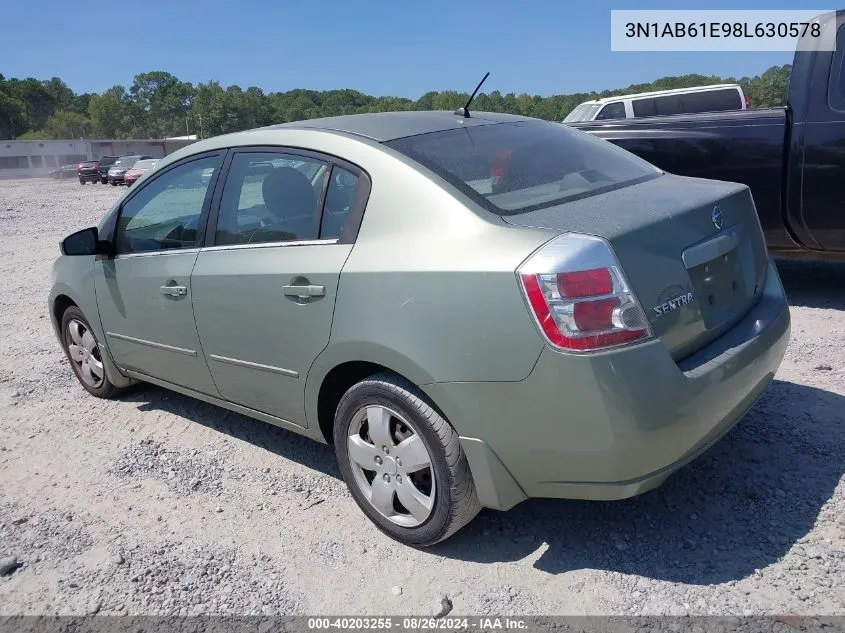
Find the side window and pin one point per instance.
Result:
(670, 104)
(612, 111)
(712, 100)
(165, 213)
(836, 85)
(644, 107)
(270, 197)
(339, 198)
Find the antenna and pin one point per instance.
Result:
(464, 112)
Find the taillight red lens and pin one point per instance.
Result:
(582, 307)
(79, 167)
(747, 103)
(595, 315)
(585, 283)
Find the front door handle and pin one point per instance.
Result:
(304, 291)
(174, 291)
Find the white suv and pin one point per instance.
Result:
(713, 98)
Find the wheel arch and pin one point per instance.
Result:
(338, 368)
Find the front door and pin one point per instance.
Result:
(144, 291)
(264, 293)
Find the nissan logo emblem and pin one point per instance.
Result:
(716, 216)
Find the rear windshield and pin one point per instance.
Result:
(512, 168)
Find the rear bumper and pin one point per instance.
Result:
(615, 424)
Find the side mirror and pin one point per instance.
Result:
(84, 242)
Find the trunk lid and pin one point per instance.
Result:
(694, 279)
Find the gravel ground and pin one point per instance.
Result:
(159, 504)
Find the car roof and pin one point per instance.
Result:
(660, 93)
(387, 126)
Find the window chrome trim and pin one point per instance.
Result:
(162, 251)
(231, 247)
(245, 363)
(162, 346)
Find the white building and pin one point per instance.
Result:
(29, 159)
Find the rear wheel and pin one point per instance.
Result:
(81, 181)
(84, 354)
(403, 462)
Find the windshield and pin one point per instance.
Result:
(583, 112)
(512, 168)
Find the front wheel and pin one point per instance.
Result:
(84, 354)
(403, 462)
(81, 181)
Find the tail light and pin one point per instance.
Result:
(79, 167)
(747, 103)
(579, 295)
(96, 166)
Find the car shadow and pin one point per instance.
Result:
(271, 438)
(739, 507)
(813, 284)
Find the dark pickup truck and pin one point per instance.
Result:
(792, 158)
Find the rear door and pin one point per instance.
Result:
(264, 289)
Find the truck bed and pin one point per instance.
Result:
(746, 146)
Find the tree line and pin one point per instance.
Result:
(157, 105)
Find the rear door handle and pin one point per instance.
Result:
(174, 291)
(304, 291)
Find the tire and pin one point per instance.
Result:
(455, 502)
(99, 387)
(81, 181)
(113, 183)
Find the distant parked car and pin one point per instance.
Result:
(121, 166)
(715, 98)
(88, 171)
(65, 171)
(139, 169)
(105, 163)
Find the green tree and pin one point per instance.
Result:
(64, 124)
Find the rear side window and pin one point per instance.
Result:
(712, 101)
(670, 104)
(270, 197)
(512, 168)
(644, 107)
(612, 111)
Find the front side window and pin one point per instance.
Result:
(512, 168)
(612, 111)
(165, 213)
(270, 197)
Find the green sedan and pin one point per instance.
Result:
(473, 310)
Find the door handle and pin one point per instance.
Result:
(304, 291)
(174, 291)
